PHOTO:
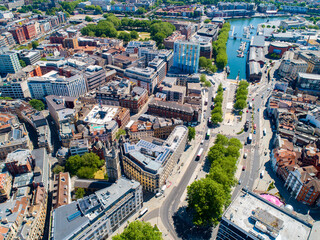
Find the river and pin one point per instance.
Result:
(237, 64)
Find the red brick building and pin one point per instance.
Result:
(135, 102)
(29, 30)
(310, 188)
(58, 37)
(19, 161)
(18, 34)
(278, 48)
(185, 112)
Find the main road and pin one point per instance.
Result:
(172, 201)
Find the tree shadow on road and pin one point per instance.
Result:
(185, 229)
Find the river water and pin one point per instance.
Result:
(237, 64)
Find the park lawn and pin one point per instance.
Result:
(100, 173)
(144, 35)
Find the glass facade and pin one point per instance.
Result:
(186, 56)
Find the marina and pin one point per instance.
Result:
(237, 63)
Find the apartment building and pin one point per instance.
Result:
(98, 215)
(29, 30)
(18, 34)
(9, 61)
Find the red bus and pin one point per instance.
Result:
(199, 154)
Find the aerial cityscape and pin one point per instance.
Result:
(159, 120)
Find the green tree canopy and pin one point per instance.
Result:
(207, 20)
(84, 166)
(203, 78)
(80, 193)
(139, 230)
(124, 36)
(22, 63)
(207, 198)
(134, 35)
(120, 132)
(34, 44)
(141, 11)
(37, 104)
(88, 19)
(57, 169)
(191, 133)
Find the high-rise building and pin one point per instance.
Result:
(186, 56)
(9, 61)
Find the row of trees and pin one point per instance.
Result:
(84, 166)
(110, 26)
(206, 64)
(241, 96)
(216, 113)
(209, 196)
(220, 47)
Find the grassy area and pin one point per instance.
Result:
(142, 35)
(100, 173)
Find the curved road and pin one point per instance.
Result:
(172, 201)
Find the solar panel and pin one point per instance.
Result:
(74, 216)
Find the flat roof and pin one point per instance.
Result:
(309, 76)
(101, 115)
(250, 212)
(75, 217)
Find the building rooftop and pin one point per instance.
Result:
(41, 169)
(309, 76)
(19, 155)
(257, 216)
(101, 115)
(68, 220)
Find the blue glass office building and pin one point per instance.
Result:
(186, 56)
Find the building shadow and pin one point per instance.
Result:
(185, 229)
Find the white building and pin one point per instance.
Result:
(52, 84)
(99, 215)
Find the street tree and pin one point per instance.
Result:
(191, 133)
(203, 78)
(34, 44)
(139, 230)
(207, 199)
